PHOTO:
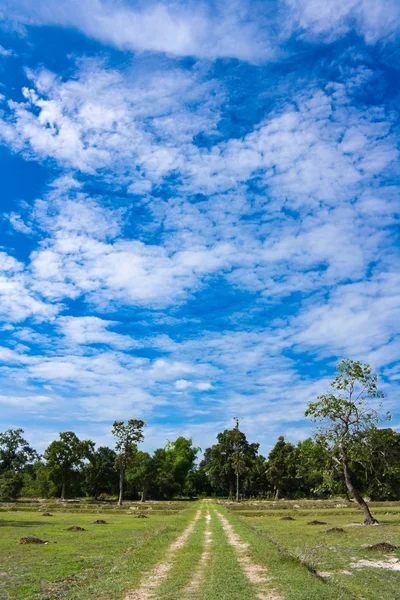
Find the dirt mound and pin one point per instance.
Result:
(385, 546)
(100, 522)
(287, 518)
(75, 528)
(335, 530)
(47, 515)
(32, 540)
(141, 516)
(317, 523)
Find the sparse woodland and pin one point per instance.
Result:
(349, 455)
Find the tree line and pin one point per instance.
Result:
(348, 455)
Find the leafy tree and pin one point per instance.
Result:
(38, 481)
(255, 478)
(181, 458)
(377, 452)
(142, 473)
(15, 454)
(316, 473)
(172, 467)
(281, 467)
(99, 473)
(228, 459)
(65, 455)
(345, 412)
(128, 436)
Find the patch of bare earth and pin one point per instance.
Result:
(392, 564)
(256, 574)
(193, 588)
(155, 578)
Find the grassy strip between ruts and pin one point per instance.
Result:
(225, 579)
(102, 562)
(184, 564)
(289, 577)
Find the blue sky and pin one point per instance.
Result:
(199, 212)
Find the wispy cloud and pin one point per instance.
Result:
(212, 235)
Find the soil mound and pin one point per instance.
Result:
(287, 518)
(335, 530)
(47, 515)
(385, 546)
(141, 516)
(100, 522)
(75, 528)
(315, 522)
(32, 540)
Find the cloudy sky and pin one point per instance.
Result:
(199, 212)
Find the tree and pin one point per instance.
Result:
(65, 455)
(255, 478)
(316, 472)
(281, 467)
(238, 458)
(172, 467)
(345, 412)
(378, 455)
(128, 436)
(142, 473)
(228, 459)
(99, 473)
(15, 454)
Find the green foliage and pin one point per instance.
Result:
(65, 455)
(99, 473)
(15, 451)
(281, 467)
(128, 435)
(232, 455)
(11, 484)
(346, 409)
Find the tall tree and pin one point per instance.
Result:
(99, 473)
(345, 412)
(378, 454)
(281, 467)
(142, 472)
(15, 454)
(128, 436)
(65, 455)
(228, 459)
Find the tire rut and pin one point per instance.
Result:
(159, 573)
(256, 574)
(193, 589)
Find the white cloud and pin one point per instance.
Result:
(27, 402)
(17, 300)
(182, 29)
(375, 20)
(182, 384)
(92, 330)
(5, 52)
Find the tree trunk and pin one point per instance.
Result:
(121, 486)
(237, 488)
(230, 493)
(277, 493)
(144, 494)
(63, 487)
(369, 519)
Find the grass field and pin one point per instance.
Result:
(200, 550)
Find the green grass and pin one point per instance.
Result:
(329, 553)
(102, 562)
(106, 561)
(224, 580)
